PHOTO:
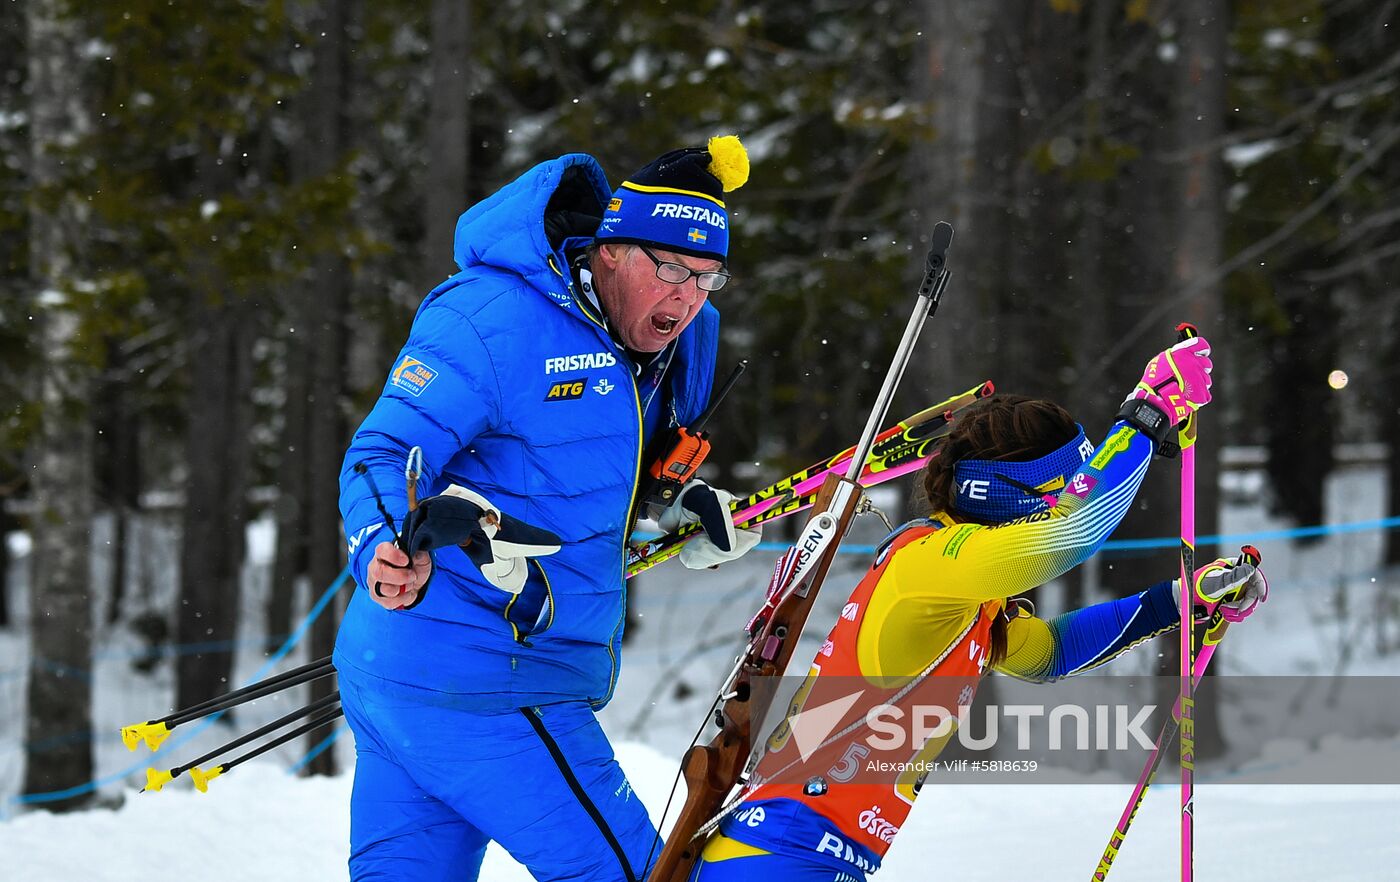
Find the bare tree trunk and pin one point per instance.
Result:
(1142, 234)
(1203, 27)
(218, 454)
(289, 556)
(328, 311)
(948, 79)
(1041, 217)
(326, 437)
(215, 515)
(1201, 73)
(449, 143)
(966, 79)
(59, 730)
(1301, 437)
(118, 466)
(1090, 287)
(999, 150)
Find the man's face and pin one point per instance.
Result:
(645, 312)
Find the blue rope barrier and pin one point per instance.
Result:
(318, 749)
(1261, 536)
(169, 650)
(297, 634)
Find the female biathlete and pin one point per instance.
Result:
(1019, 497)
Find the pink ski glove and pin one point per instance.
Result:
(1177, 381)
(1232, 586)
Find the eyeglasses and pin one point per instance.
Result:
(676, 274)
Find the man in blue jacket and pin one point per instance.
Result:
(577, 330)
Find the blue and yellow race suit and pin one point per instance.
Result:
(922, 617)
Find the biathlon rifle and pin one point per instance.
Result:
(712, 771)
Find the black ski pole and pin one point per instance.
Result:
(201, 778)
(156, 779)
(154, 732)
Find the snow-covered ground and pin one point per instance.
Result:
(260, 823)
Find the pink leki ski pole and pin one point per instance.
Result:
(1214, 633)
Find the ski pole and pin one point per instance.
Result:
(363, 471)
(1214, 633)
(201, 778)
(412, 471)
(154, 732)
(1186, 437)
(156, 779)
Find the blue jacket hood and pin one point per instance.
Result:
(506, 230)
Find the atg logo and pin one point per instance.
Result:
(567, 390)
(582, 362)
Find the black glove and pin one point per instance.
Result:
(497, 543)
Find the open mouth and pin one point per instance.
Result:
(664, 324)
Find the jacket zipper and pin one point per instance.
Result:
(636, 480)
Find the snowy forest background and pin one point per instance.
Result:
(216, 221)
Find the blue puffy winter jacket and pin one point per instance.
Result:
(511, 385)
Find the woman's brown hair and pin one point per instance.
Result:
(1011, 428)
(1004, 427)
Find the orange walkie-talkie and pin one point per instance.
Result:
(687, 451)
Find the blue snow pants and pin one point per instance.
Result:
(434, 784)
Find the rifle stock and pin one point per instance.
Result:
(712, 770)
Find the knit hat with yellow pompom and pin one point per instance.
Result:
(676, 203)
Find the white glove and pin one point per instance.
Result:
(699, 503)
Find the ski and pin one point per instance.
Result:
(898, 450)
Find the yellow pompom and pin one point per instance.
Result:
(729, 161)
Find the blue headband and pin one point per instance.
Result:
(1001, 491)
